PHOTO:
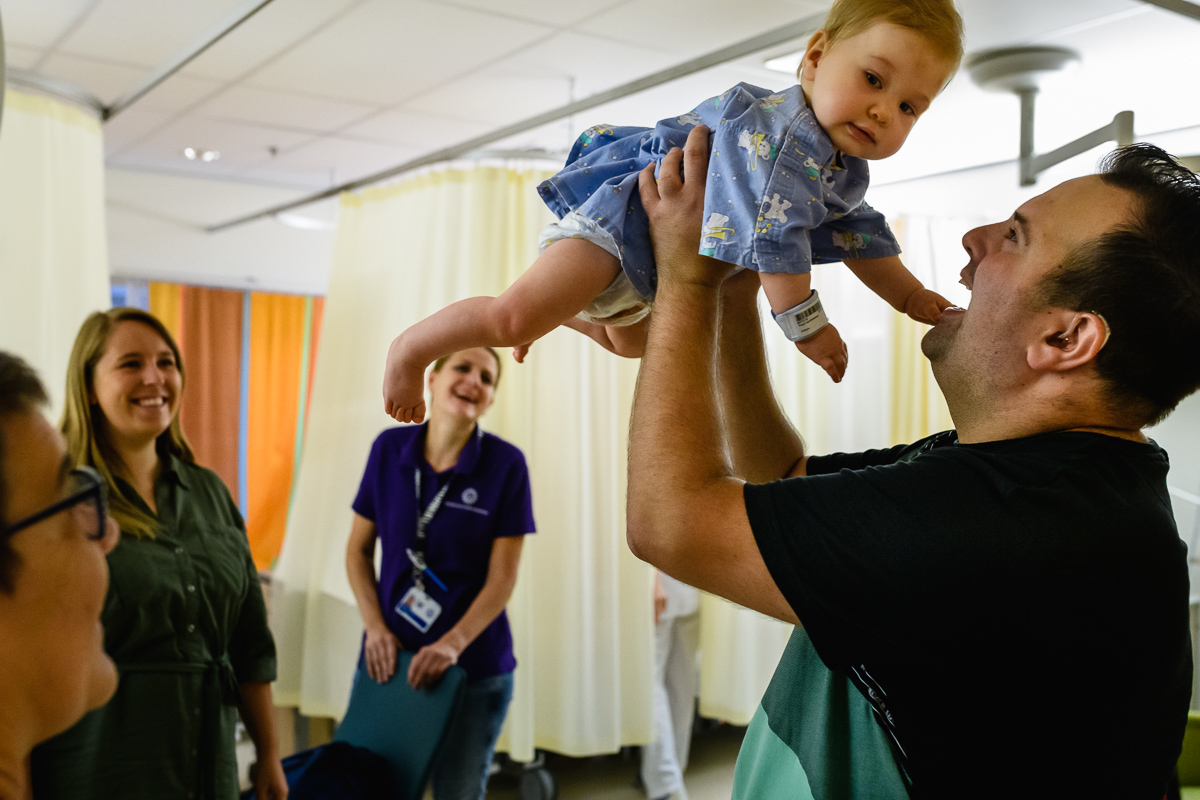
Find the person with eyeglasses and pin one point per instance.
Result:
(184, 617)
(54, 534)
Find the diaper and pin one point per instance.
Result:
(620, 303)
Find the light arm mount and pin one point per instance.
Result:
(1020, 70)
(1120, 130)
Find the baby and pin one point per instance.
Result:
(787, 177)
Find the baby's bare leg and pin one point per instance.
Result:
(628, 341)
(558, 285)
(825, 348)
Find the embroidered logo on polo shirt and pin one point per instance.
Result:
(469, 497)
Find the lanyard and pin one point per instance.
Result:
(423, 520)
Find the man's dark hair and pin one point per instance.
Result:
(20, 391)
(1143, 277)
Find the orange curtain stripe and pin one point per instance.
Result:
(211, 342)
(276, 358)
(166, 303)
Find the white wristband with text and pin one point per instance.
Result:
(804, 320)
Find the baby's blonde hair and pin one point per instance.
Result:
(936, 20)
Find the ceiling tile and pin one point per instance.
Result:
(417, 131)
(110, 81)
(991, 24)
(283, 109)
(130, 127)
(258, 40)
(707, 25)
(38, 23)
(608, 64)
(340, 160)
(241, 147)
(383, 52)
(496, 98)
(21, 57)
(146, 32)
(197, 201)
(543, 12)
(107, 81)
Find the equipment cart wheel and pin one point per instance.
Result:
(536, 781)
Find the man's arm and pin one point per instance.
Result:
(686, 514)
(762, 442)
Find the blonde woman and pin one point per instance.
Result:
(184, 618)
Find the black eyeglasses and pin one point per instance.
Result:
(84, 486)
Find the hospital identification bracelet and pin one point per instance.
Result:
(802, 321)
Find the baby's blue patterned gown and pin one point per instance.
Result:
(779, 198)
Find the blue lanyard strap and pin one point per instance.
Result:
(423, 520)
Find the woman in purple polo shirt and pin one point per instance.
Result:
(449, 559)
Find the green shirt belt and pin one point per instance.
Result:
(220, 688)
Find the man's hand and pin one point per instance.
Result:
(675, 207)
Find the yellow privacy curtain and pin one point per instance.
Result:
(53, 250)
(581, 612)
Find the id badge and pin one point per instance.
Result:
(419, 609)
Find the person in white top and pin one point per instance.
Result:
(676, 638)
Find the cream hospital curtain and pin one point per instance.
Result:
(53, 250)
(581, 613)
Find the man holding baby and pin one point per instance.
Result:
(1002, 609)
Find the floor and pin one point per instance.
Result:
(709, 775)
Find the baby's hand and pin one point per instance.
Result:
(403, 387)
(926, 306)
(827, 350)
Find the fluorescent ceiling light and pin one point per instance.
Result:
(304, 223)
(789, 62)
(193, 154)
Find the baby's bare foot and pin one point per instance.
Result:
(520, 351)
(403, 387)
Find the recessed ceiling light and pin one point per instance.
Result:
(789, 63)
(192, 154)
(304, 223)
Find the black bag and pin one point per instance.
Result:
(336, 771)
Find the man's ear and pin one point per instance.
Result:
(818, 45)
(1072, 339)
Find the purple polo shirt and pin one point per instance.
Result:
(488, 499)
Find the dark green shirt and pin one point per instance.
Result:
(185, 622)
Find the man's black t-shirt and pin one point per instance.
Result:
(1021, 604)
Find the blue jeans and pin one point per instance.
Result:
(462, 771)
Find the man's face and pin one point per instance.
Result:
(982, 350)
(50, 628)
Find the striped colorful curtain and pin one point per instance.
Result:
(249, 358)
(281, 331)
